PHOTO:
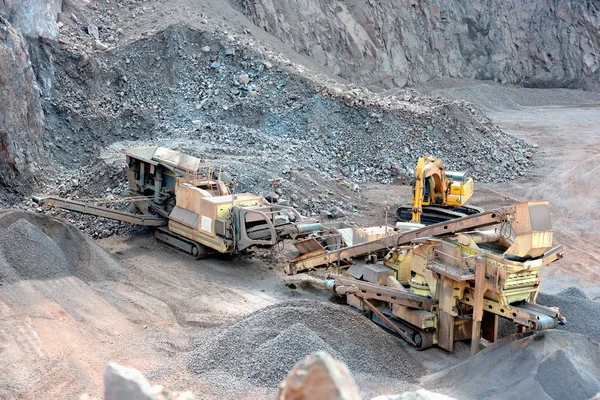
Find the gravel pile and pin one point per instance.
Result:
(32, 254)
(582, 314)
(263, 347)
(37, 247)
(550, 364)
(104, 184)
(572, 291)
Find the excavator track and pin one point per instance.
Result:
(434, 215)
(181, 244)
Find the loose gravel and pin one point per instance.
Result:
(33, 246)
(582, 314)
(222, 101)
(265, 345)
(549, 364)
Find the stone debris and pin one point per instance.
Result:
(317, 376)
(253, 121)
(125, 383)
(263, 347)
(582, 313)
(122, 383)
(421, 394)
(93, 31)
(34, 246)
(549, 364)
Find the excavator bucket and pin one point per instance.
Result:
(532, 227)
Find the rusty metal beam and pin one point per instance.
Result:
(72, 205)
(386, 320)
(378, 292)
(307, 262)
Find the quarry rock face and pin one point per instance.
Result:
(387, 44)
(33, 18)
(21, 119)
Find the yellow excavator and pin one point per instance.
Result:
(438, 195)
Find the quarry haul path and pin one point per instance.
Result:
(568, 139)
(143, 305)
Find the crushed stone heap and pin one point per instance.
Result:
(550, 364)
(34, 246)
(263, 347)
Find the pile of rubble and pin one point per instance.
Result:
(34, 247)
(260, 349)
(549, 364)
(581, 312)
(317, 376)
(205, 94)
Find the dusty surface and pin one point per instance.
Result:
(546, 365)
(64, 328)
(156, 85)
(568, 140)
(146, 318)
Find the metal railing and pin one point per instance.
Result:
(460, 266)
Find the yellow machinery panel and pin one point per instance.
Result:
(212, 208)
(460, 192)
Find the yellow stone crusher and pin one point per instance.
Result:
(192, 210)
(447, 282)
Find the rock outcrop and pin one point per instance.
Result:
(21, 119)
(33, 18)
(122, 383)
(319, 376)
(392, 43)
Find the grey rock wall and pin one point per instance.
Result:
(390, 43)
(21, 116)
(33, 18)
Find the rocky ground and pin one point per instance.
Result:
(204, 79)
(253, 118)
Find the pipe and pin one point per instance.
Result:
(330, 285)
(489, 237)
(305, 228)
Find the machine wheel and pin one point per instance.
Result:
(423, 340)
(199, 251)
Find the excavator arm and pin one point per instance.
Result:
(429, 167)
(417, 207)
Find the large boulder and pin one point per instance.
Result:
(123, 383)
(421, 394)
(319, 376)
(21, 119)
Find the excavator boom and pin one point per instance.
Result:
(417, 208)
